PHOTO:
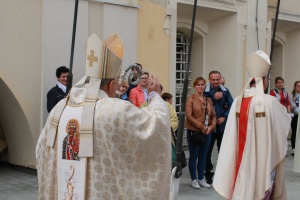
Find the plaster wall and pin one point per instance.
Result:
(153, 43)
(121, 2)
(277, 65)
(95, 13)
(197, 57)
(291, 62)
(221, 49)
(20, 77)
(290, 6)
(57, 37)
(122, 20)
(257, 32)
(240, 46)
(93, 16)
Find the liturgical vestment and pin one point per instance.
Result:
(249, 176)
(131, 151)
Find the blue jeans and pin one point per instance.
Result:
(197, 157)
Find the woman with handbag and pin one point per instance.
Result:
(200, 122)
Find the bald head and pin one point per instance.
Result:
(222, 81)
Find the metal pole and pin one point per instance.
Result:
(181, 114)
(70, 76)
(274, 30)
(273, 40)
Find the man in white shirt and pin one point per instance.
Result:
(58, 92)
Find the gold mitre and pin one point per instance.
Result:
(104, 59)
(257, 64)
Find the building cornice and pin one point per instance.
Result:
(125, 3)
(228, 5)
(292, 17)
(241, 1)
(289, 16)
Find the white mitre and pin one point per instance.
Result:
(257, 66)
(103, 61)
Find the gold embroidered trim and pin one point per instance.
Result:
(73, 105)
(70, 187)
(261, 114)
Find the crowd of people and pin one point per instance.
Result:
(207, 111)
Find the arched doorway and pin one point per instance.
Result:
(15, 130)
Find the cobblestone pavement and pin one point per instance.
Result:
(292, 181)
(18, 183)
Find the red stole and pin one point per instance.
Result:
(243, 121)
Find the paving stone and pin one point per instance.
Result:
(16, 184)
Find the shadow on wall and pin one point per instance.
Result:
(15, 129)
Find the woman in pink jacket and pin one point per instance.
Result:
(139, 94)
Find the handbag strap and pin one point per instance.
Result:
(205, 112)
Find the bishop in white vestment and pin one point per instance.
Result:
(250, 162)
(97, 147)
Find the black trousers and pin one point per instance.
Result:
(218, 135)
(294, 124)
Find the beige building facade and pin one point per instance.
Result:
(35, 38)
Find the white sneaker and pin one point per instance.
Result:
(203, 183)
(195, 184)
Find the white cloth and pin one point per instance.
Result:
(61, 86)
(265, 149)
(174, 186)
(132, 151)
(146, 94)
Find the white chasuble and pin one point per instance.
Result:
(265, 148)
(131, 151)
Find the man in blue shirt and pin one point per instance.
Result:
(222, 101)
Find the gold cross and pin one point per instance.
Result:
(259, 104)
(92, 58)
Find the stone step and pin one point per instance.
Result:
(3, 145)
